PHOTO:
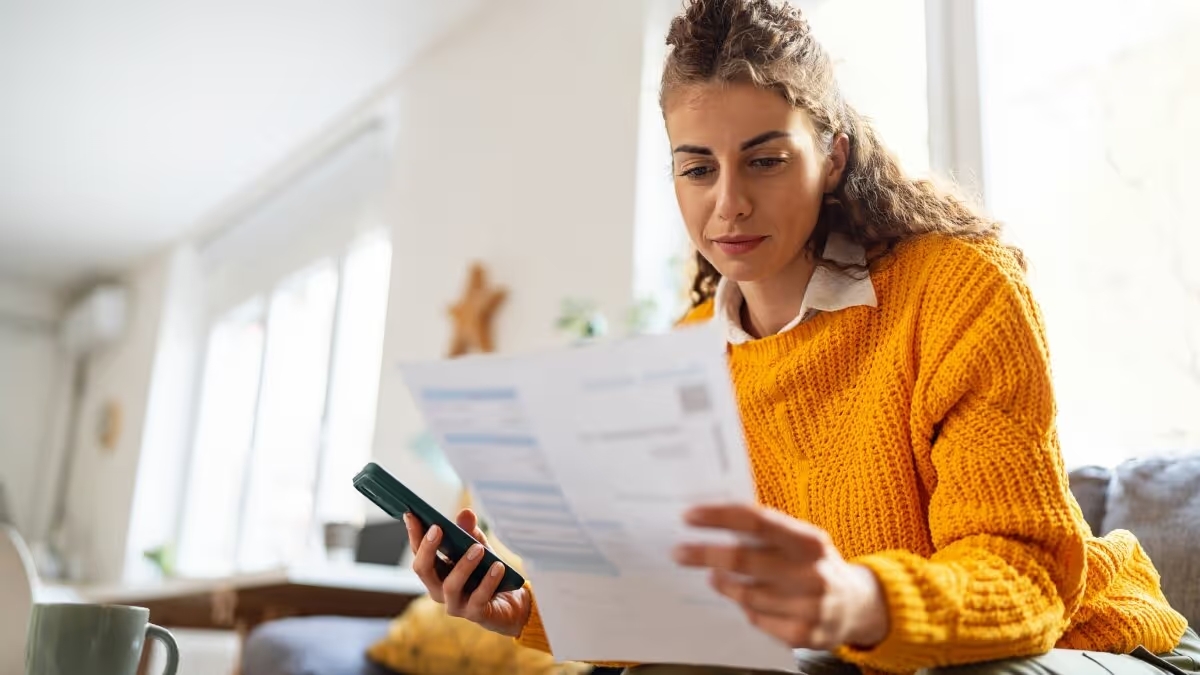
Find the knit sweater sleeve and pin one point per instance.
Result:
(533, 635)
(1008, 567)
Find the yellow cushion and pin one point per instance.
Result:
(427, 641)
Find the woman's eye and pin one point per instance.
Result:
(696, 172)
(767, 162)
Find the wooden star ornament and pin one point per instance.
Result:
(473, 313)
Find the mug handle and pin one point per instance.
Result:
(164, 636)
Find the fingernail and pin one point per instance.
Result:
(475, 552)
(680, 554)
(497, 568)
(433, 533)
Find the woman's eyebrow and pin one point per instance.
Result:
(757, 140)
(764, 137)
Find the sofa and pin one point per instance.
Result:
(1157, 499)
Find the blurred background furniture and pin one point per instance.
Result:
(240, 603)
(379, 589)
(1158, 499)
(336, 643)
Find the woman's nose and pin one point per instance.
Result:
(732, 202)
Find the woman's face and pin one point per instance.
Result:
(750, 176)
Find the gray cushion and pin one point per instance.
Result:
(320, 645)
(1159, 501)
(1089, 484)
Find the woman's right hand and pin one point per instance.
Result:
(504, 613)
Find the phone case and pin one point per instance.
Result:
(395, 499)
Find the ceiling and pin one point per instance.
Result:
(124, 123)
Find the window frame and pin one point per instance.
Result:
(952, 76)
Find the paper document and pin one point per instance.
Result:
(584, 460)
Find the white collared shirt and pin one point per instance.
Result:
(829, 290)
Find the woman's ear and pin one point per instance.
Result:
(839, 153)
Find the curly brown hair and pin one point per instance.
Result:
(770, 45)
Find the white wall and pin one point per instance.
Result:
(517, 147)
(30, 304)
(29, 365)
(101, 484)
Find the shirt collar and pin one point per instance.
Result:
(829, 290)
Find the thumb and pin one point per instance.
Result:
(468, 521)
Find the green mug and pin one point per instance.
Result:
(70, 639)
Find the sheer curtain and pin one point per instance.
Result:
(286, 415)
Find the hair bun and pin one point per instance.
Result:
(709, 32)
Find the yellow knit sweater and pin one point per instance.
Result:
(920, 435)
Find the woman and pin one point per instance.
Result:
(892, 374)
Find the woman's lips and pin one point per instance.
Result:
(738, 245)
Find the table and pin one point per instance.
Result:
(242, 602)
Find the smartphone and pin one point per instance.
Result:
(395, 499)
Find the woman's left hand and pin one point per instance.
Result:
(789, 578)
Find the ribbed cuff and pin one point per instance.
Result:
(922, 626)
(913, 642)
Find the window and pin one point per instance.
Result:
(1090, 155)
(660, 243)
(286, 415)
